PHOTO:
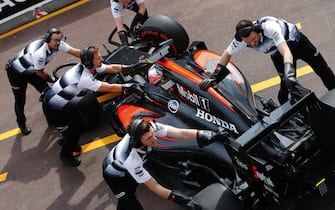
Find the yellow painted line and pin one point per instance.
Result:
(46, 17)
(85, 148)
(10, 133)
(99, 143)
(276, 80)
(3, 177)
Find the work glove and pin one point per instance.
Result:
(140, 19)
(123, 38)
(219, 74)
(184, 200)
(43, 94)
(128, 88)
(137, 67)
(289, 77)
(206, 137)
(51, 79)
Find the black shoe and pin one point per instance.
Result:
(25, 130)
(60, 141)
(70, 161)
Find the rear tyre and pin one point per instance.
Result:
(159, 28)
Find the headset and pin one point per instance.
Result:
(134, 142)
(47, 36)
(86, 57)
(245, 30)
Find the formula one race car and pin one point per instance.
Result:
(269, 157)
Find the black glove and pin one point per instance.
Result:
(128, 88)
(51, 79)
(8, 65)
(206, 83)
(139, 18)
(123, 38)
(184, 200)
(289, 76)
(137, 67)
(206, 137)
(43, 94)
(219, 74)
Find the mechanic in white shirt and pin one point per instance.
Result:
(137, 6)
(62, 102)
(28, 67)
(284, 43)
(123, 168)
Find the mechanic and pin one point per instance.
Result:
(62, 102)
(28, 67)
(284, 43)
(137, 6)
(123, 168)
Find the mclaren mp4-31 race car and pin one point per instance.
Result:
(269, 156)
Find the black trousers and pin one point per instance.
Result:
(124, 189)
(74, 130)
(306, 51)
(19, 83)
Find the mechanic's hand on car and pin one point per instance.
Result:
(219, 74)
(42, 96)
(51, 79)
(206, 83)
(206, 137)
(137, 67)
(184, 200)
(138, 19)
(289, 77)
(123, 38)
(128, 88)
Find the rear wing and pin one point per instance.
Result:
(306, 110)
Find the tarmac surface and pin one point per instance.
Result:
(31, 174)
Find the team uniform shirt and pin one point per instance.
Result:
(120, 160)
(274, 32)
(72, 86)
(35, 56)
(117, 8)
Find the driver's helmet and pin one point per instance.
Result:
(155, 75)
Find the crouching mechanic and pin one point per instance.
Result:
(62, 102)
(123, 168)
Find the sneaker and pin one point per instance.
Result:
(70, 161)
(25, 130)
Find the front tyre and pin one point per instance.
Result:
(159, 28)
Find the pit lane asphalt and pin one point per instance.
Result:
(32, 175)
